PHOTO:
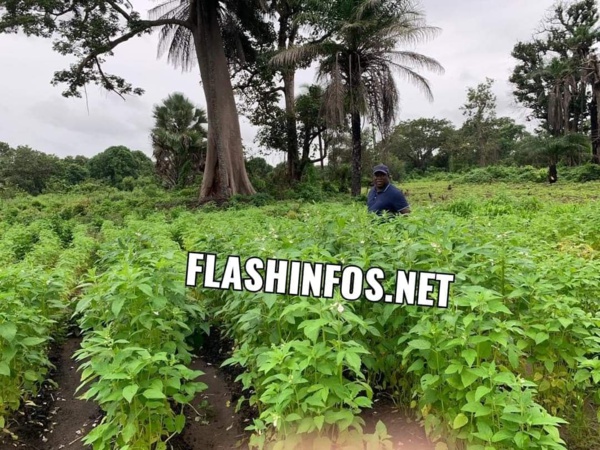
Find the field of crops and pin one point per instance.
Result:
(513, 362)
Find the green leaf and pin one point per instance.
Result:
(8, 331)
(485, 431)
(417, 365)
(502, 435)
(32, 341)
(363, 402)
(117, 305)
(470, 355)
(129, 392)
(179, 423)
(481, 392)
(129, 431)
(146, 289)
(353, 361)
(460, 421)
(467, 377)
(153, 394)
(420, 344)
(541, 337)
(4, 370)
(313, 327)
(453, 368)
(319, 421)
(269, 299)
(30, 375)
(520, 439)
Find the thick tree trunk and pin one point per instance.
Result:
(594, 129)
(356, 154)
(290, 125)
(225, 171)
(355, 76)
(321, 151)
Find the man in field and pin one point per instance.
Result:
(384, 196)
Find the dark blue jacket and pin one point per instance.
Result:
(391, 199)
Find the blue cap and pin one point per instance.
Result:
(381, 168)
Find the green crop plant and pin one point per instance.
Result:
(134, 357)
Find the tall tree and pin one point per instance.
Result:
(118, 162)
(480, 112)
(211, 32)
(309, 106)
(262, 84)
(593, 75)
(179, 140)
(418, 141)
(553, 76)
(357, 63)
(27, 169)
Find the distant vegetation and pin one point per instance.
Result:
(341, 126)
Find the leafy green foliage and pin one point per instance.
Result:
(27, 169)
(549, 78)
(496, 369)
(34, 295)
(421, 141)
(116, 163)
(511, 363)
(135, 317)
(179, 141)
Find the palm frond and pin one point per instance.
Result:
(415, 59)
(409, 74)
(334, 99)
(407, 32)
(297, 55)
(169, 8)
(176, 41)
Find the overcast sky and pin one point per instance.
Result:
(475, 42)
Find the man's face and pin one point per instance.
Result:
(380, 179)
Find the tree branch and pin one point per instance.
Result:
(64, 11)
(107, 82)
(140, 26)
(120, 10)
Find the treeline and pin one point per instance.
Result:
(357, 46)
(34, 172)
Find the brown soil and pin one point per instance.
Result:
(405, 433)
(60, 421)
(214, 424)
(63, 420)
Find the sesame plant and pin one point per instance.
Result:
(513, 362)
(506, 365)
(34, 294)
(134, 314)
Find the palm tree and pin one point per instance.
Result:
(571, 149)
(179, 140)
(563, 86)
(357, 61)
(215, 34)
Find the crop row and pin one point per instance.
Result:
(34, 295)
(135, 315)
(505, 366)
